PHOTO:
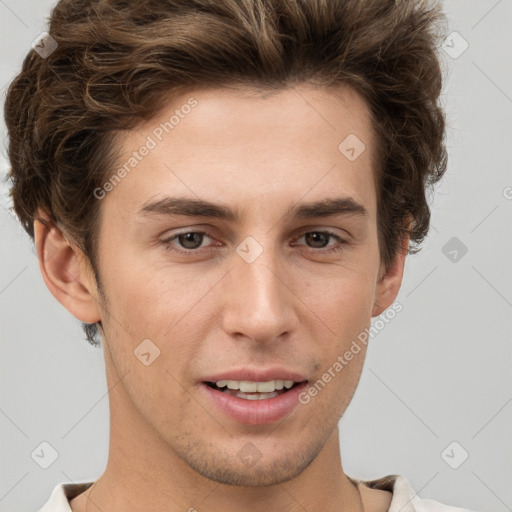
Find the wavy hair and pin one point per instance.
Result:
(116, 61)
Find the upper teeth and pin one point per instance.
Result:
(253, 387)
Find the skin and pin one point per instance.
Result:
(295, 306)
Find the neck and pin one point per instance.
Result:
(135, 479)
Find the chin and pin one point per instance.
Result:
(249, 467)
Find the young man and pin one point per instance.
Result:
(226, 191)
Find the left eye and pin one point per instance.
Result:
(319, 240)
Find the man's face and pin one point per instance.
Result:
(262, 292)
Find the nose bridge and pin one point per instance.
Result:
(258, 303)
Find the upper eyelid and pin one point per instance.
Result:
(209, 230)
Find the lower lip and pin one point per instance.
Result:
(256, 412)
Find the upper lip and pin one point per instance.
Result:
(256, 375)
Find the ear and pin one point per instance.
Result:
(65, 271)
(389, 283)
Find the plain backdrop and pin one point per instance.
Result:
(434, 401)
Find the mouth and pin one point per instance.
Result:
(250, 390)
(254, 396)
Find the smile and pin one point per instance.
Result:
(252, 402)
(249, 390)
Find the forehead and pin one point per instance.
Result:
(242, 144)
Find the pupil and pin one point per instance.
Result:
(187, 238)
(314, 236)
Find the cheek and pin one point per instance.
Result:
(343, 304)
(166, 307)
(341, 307)
(142, 297)
(152, 368)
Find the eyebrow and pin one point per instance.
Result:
(199, 208)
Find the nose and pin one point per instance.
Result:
(259, 300)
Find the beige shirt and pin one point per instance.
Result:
(404, 498)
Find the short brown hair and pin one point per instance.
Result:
(116, 61)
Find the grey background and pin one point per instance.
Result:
(438, 372)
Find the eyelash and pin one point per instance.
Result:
(337, 248)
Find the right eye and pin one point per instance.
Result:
(188, 240)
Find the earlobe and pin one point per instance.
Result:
(389, 284)
(64, 270)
